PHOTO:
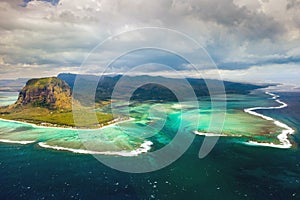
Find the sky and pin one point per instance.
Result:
(255, 41)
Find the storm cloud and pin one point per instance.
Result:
(48, 37)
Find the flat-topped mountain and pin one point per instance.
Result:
(52, 93)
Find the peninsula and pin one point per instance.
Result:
(47, 102)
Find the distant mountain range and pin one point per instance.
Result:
(152, 91)
(12, 85)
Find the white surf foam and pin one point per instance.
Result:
(209, 134)
(177, 106)
(16, 142)
(145, 147)
(216, 134)
(280, 146)
(283, 137)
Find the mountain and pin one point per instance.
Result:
(52, 93)
(152, 90)
(48, 102)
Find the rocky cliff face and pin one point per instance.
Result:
(52, 93)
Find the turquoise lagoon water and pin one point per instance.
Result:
(54, 165)
(151, 121)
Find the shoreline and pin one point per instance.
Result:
(25, 142)
(54, 126)
(283, 136)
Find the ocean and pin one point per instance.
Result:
(232, 170)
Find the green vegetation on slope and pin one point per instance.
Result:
(44, 116)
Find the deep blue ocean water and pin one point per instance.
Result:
(231, 171)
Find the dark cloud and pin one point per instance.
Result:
(62, 33)
(237, 20)
(293, 4)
